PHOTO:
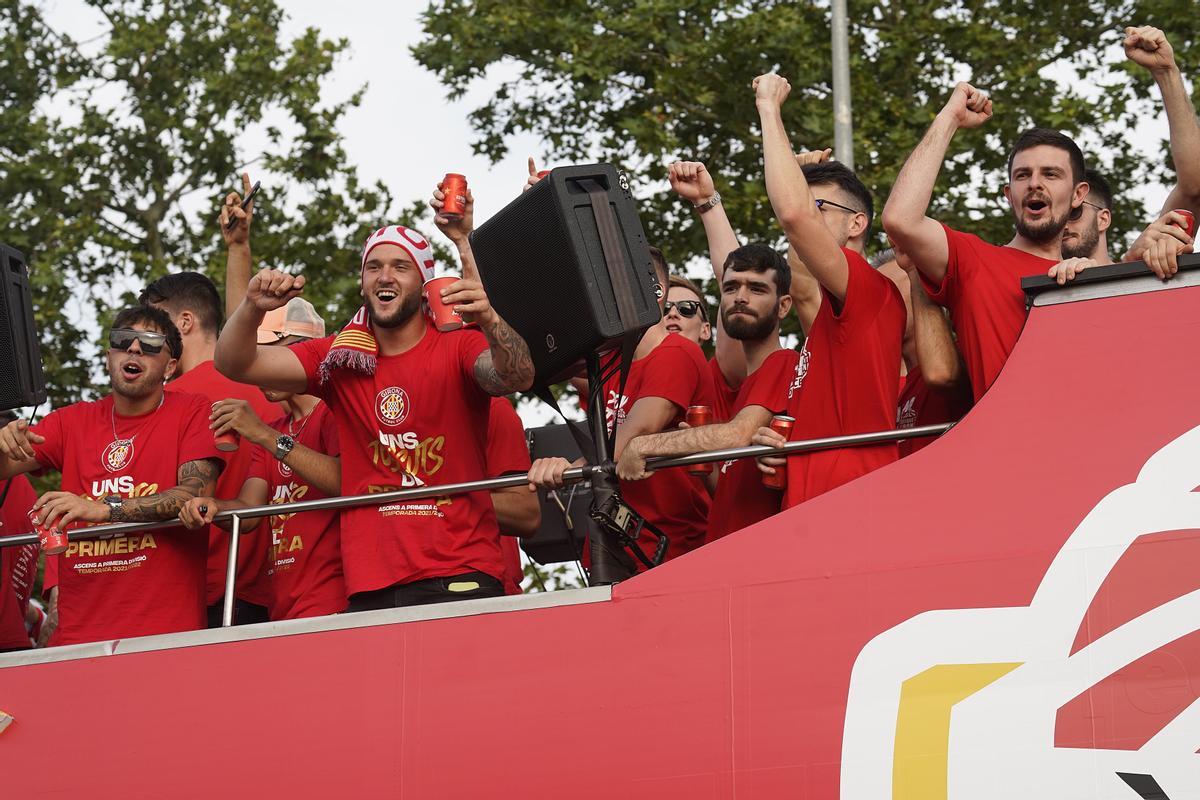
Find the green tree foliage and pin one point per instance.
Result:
(117, 151)
(646, 82)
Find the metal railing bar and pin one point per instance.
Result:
(572, 475)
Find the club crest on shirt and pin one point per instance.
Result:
(117, 455)
(801, 371)
(284, 469)
(391, 406)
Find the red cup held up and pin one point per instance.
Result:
(445, 318)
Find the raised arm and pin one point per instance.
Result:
(1148, 47)
(240, 357)
(904, 214)
(735, 433)
(693, 183)
(506, 365)
(793, 202)
(238, 262)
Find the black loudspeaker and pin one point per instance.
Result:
(20, 361)
(565, 520)
(559, 261)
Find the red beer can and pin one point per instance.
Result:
(1190, 230)
(454, 186)
(52, 540)
(696, 417)
(781, 424)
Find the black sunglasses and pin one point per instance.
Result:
(151, 343)
(686, 308)
(1077, 212)
(822, 203)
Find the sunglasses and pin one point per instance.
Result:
(1077, 212)
(822, 203)
(151, 343)
(686, 308)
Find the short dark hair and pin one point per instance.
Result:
(188, 291)
(155, 318)
(760, 258)
(1100, 192)
(831, 172)
(660, 266)
(684, 283)
(1035, 137)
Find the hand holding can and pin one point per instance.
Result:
(781, 424)
(698, 416)
(52, 540)
(454, 186)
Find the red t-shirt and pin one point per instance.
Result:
(982, 289)
(846, 382)
(420, 420)
(142, 583)
(673, 500)
(304, 567)
(18, 565)
(741, 497)
(920, 404)
(724, 395)
(203, 379)
(507, 454)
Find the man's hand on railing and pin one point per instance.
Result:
(198, 512)
(1161, 244)
(547, 473)
(769, 438)
(1068, 268)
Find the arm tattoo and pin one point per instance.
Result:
(196, 479)
(506, 366)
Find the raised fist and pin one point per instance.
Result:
(1148, 47)
(771, 89)
(968, 107)
(271, 289)
(691, 181)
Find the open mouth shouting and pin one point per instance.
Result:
(386, 296)
(131, 370)
(1036, 207)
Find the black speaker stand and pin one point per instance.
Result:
(609, 563)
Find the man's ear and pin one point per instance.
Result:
(1081, 191)
(185, 322)
(706, 332)
(858, 225)
(169, 373)
(1103, 219)
(785, 305)
(1008, 194)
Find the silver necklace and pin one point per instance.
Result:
(117, 440)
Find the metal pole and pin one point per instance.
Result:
(843, 132)
(572, 475)
(231, 572)
(608, 561)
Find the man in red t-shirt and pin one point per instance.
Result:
(980, 282)
(18, 565)
(195, 307)
(847, 378)
(295, 457)
(755, 283)
(667, 375)
(411, 405)
(118, 456)
(517, 511)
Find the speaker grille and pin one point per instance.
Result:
(19, 361)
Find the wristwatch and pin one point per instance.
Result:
(283, 446)
(113, 501)
(708, 204)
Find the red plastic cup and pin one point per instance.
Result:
(698, 416)
(1190, 229)
(445, 318)
(781, 424)
(227, 442)
(454, 186)
(52, 540)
